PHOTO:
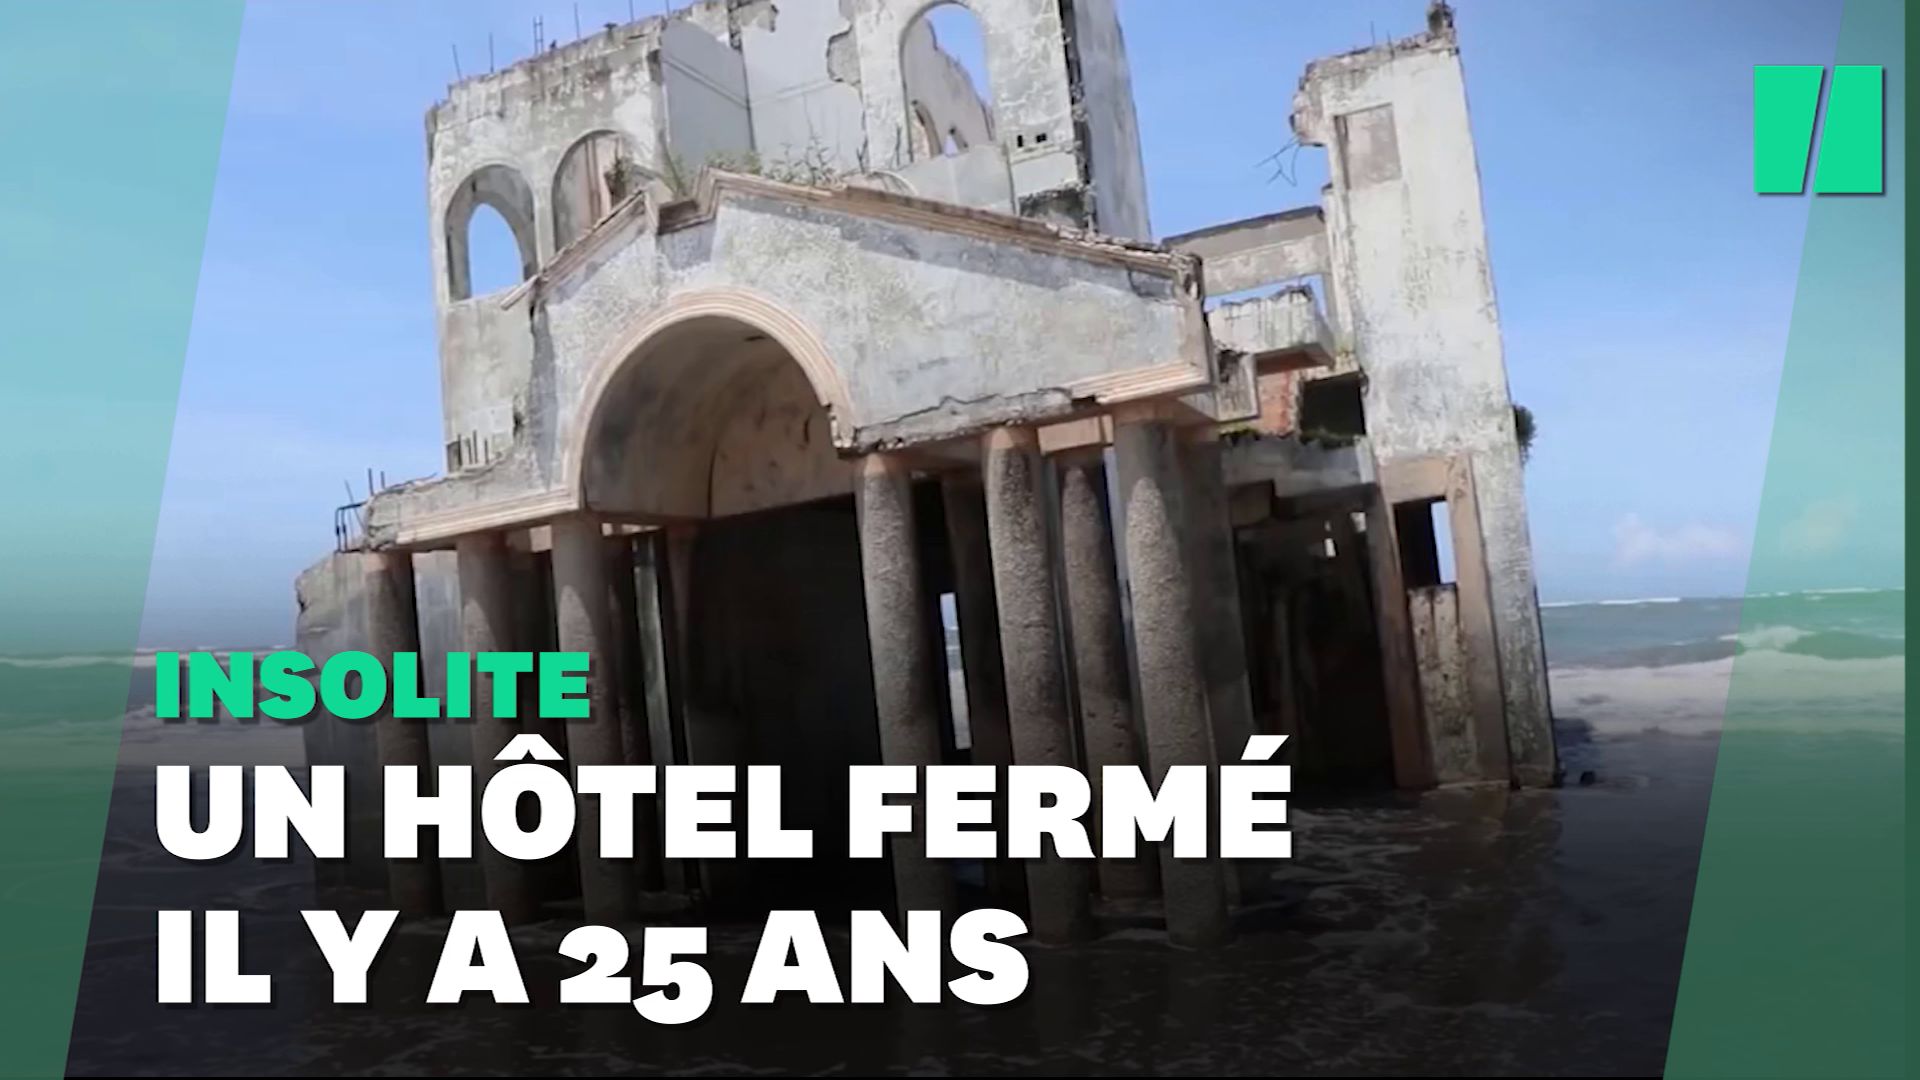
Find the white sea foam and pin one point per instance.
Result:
(1768, 637)
(1775, 692)
(77, 660)
(142, 659)
(1640, 600)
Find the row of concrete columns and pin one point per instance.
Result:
(1019, 657)
(1166, 555)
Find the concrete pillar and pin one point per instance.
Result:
(486, 625)
(1173, 707)
(1100, 652)
(903, 668)
(655, 640)
(1032, 652)
(1216, 593)
(1220, 633)
(964, 501)
(393, 627)
(583, 622)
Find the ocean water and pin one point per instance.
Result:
(1468, 930)
(1822, 660)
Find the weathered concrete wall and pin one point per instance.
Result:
(1026, 61)
(803, 80)
(934, 331)
(974, 177)
(1445, 698)
(844, 86)
(1278, 331)
(938, 324)
(528, 116)
(704, 84)
(817, 86)
(1112, 132)
(1259, 251)
(775, 448)
(486, 368)
(1292, 467)
(1408, 248)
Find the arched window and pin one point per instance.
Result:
(493, 254)
(943, 57)
(596, 174)
(491, 250)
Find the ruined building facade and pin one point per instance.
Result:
(816, 345)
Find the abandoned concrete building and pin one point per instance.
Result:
(824, 356)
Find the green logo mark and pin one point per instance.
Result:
(1786, 101)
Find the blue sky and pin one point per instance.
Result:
(1645, 292)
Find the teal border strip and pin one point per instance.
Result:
(1796, 958)
(111, 115)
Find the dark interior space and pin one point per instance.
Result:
(1334, 406)
(1313, 647)
(1420, 563)
(778, 656)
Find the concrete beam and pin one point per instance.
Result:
(1257, 251)
(1282, 332)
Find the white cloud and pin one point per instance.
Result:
(1820, 526)
(1635, 542)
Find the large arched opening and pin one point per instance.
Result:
(712, 429)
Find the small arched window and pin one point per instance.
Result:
(494, 249)
(596, 174)
(943, 58)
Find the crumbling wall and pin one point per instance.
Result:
(816, 88)
(528, 116)
(948, 112)
(803, 81)
(703, 83)
(1111, 128)
(486, 368)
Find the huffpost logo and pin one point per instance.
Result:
(1786, 105)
